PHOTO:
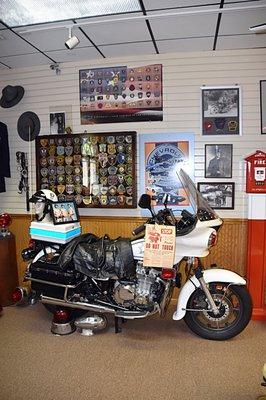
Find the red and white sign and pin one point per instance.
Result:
(159, 246)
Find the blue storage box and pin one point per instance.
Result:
(49, 232)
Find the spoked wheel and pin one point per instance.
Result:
(74, 312)
(235, 308)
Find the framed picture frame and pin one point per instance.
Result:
(64, 212)
(218, 160)
(160, 157)
(220, 195)
(121, 94)
(221, 110)
(263, 106)
(57, 123)
(96, 170)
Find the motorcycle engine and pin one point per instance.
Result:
(142, 291)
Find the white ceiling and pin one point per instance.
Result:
(163, 26)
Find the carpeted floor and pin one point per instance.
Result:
(151, 359)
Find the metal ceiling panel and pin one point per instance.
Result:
(239, 22)
(129, 49)
(13, 45)
(240, 42)
(53, 39)
(159, 4)
(25, 60)
(234, 3)
(171, 46)
(75, 54)
(119, 32)
(184, 26)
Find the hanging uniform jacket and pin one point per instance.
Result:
(4, 157)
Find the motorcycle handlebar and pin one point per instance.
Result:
(138, 230)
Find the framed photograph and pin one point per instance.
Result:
(218, 160)
(57, 122)
(263, 105)
(220, 195)
(64, 212)
(121, 94)
(221, 110)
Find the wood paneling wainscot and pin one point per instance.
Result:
(230, 251)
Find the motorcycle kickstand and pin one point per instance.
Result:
(118, 327)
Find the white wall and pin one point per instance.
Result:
(183, 75)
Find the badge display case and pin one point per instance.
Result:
(94, 170)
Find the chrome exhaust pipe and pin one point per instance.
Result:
(82, 306)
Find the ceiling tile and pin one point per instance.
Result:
(159, 4)
(53, 39)
(2, 26)
(13, 45)
(240, 42)
(129, 49)
(239, 22)
(2, 66)
(26, 60)
(118, 32)
(75, 54)
(185, 26)
(194, 44)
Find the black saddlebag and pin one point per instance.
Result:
(105, 258)
(51, 272)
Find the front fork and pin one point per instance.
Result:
(197, 268)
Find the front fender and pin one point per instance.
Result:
(210, 275)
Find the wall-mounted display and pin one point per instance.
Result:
(220, 195)
(263, 105)
(121, 94)
(57, 122)
(94, 170)
(218, 160)
(161, 157)
(221, 110)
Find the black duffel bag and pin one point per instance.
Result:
(105, 258)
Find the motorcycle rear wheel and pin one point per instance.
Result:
(74, 312)
(235, 309)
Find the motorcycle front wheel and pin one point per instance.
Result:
(235, 309)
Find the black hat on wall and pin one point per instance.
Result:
(11, 95)
(28, 126)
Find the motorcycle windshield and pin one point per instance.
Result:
(200, 205)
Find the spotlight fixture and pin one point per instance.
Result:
(72, 41)
(258, 28)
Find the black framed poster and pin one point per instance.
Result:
(221, 110)
(220, 195)
(263, 106)
(121, 94)
(218, 160)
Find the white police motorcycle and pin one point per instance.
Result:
(91, 276)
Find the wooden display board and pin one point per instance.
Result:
(92, 169)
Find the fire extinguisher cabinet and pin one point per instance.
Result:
(256, 254)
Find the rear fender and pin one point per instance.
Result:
(210, 275)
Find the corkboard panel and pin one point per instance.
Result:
(229, 253)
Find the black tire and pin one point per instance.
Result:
(235, 311)
(74, 312)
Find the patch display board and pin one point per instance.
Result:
(94, 170)
(121, 94)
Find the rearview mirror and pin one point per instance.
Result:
(145, 201)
